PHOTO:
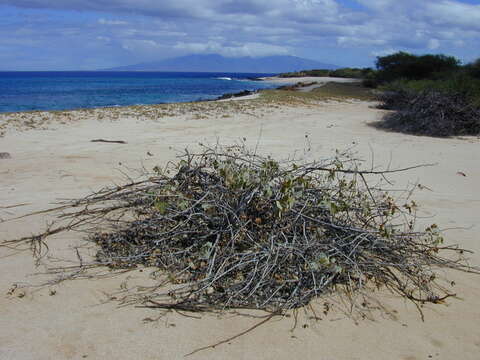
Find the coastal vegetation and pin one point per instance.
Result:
(430, 95)
(227, 228)
(331, 91)
(433, 95)
(407, 66)
(429, 112)
(356, 73)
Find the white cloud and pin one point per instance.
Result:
(103, 38)
(381, 5)
(328, 29)
(384, 52)
(454, 13)
(433, 44)
(359, 41)
(103, 21)
(252, 49)
(135, 45)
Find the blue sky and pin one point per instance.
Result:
(94, 34)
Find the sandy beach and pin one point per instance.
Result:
(314, 81)
(52, 158)
(306, 79)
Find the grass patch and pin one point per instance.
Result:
(329, 91)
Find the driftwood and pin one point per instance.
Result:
(235, 95)
(109, 141)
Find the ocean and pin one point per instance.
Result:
(27, 91)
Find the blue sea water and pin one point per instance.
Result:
(25, 91)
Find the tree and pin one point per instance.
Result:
(403, 65)
(473, 69)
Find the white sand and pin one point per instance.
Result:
(77, 322)
(307, 79)
(245, 97)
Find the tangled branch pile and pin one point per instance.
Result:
(233, 229)
(429, 112)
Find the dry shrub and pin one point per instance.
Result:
(228, 228)
(429, 112)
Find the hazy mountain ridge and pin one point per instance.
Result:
(218, 63)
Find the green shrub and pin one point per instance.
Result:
(318, 72)
(356, 73)
(459, 83)
(291, 74)
(473, 69)
(370, 83)
(315, 72)
(403, 65)
(431, 94)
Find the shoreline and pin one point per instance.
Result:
(217, 97)
(240, 95)
(43, 119)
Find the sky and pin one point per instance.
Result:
(96, 34)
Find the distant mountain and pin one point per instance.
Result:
(218, 63)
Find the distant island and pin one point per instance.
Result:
(218, 63)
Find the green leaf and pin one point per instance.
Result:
(205, 250)
(183, 205)
(323, 259)
(161, 206)
(279, 205)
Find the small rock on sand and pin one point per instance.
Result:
(5, 155)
